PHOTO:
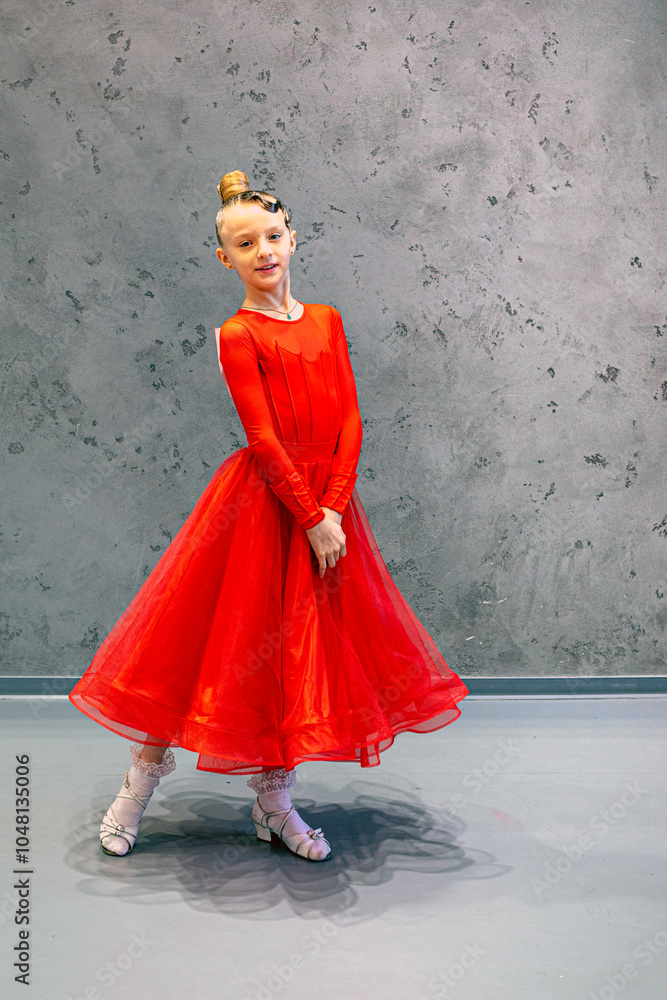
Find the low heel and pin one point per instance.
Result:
(262, 832)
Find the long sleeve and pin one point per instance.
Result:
(238, 356)
(344, 468)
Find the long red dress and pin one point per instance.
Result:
(234, 647)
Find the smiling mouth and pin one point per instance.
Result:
(267, 267)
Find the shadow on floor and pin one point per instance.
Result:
(202, 849)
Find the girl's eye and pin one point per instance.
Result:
(246, 243)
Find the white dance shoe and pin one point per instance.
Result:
(311, 845)
(120, 824)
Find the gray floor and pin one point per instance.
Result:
(518, 853)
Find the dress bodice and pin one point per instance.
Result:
(300, 378)
(292, 382)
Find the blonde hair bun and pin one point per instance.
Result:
(235, 182)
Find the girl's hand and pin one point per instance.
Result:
(330, 512)
(327, 539)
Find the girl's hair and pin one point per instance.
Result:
(235, 188)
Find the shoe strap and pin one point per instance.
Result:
(118, 830)
(277, 812)
(282, 825)
(141, 800)
(311, 834)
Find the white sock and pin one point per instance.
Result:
(126, 810)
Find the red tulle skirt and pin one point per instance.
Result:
(234, 647)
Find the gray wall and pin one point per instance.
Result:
(478, 187)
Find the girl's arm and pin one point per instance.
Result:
(238, 356)
(344, 468)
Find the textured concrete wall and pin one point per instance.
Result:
(479, 187)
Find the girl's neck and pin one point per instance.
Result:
(286, 307)
(278, 299)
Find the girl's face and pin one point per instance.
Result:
(257, 244)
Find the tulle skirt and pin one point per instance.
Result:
(234, 647)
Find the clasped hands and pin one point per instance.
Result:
(327, 539)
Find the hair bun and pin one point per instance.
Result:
(233, 183)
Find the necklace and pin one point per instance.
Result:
(271, 309)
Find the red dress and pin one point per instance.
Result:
(234, 647)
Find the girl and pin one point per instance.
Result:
(270, 632)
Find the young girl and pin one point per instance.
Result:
(270, 632)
